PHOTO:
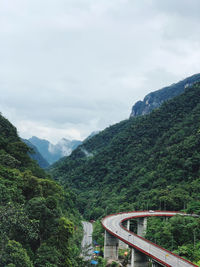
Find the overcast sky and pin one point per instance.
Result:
(70, 67)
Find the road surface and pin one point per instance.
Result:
(112, 224)
(86, 244)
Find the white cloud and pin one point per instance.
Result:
(46, 132)
(79, 65)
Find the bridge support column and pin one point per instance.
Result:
(138, 259)
(110, 246)
(142, 226)
(123, 245)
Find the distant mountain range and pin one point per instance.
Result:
(47, 153)
(51, 153)
(36, 155)
(155, 99)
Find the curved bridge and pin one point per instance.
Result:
(143, 250)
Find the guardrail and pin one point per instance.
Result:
(113, 225)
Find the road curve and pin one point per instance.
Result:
(113, 224)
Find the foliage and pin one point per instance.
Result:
(37, 216)
(179, 234)
(98, 233)
(148, 162)
(15, 255)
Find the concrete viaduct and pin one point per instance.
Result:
(142, 251)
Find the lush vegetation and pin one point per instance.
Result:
(98, 233)
(149, 162)
(178, 234)
(38, 220)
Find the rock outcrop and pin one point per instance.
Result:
(155, 99)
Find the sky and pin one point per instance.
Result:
(71, 67)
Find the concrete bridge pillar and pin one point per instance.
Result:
(110, 246)
(142, 226)
(123, 245)
(138, 259)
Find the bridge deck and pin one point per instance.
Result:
(113, 224)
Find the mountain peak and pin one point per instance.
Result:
(155, 99)
(52, 152)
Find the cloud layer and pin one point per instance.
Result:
(69, 67)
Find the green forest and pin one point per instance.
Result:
(40, 225)
(148, 162)
(145, 162)
(177, 234)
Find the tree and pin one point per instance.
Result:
(15, 255)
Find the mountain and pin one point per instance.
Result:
(35, 154)
(51, 153)
(43, 147)
(155, 99)
(63, 148)
(146, 162)
(91, 135)
(38, 216)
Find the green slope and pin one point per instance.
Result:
(36, 215)
(149, 162)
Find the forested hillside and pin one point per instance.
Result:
(148, 162)
(178, 234)
(37, 217)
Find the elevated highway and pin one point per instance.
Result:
(143, 250)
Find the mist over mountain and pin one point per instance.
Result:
(155, 99)
(51, 152)
(145, 162)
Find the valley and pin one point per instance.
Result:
(99, 133)
(148, 162)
